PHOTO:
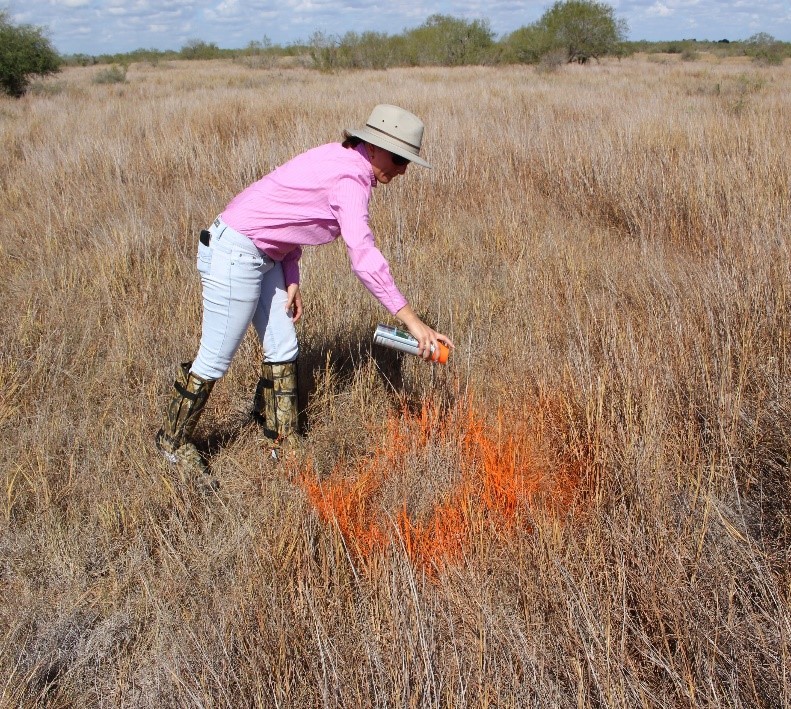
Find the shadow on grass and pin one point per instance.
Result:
(343, 356)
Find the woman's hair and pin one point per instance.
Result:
(351, 141)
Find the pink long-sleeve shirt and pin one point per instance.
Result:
(311, 200)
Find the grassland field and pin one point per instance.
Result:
(589, 506)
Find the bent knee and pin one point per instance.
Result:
(286, 351)
(209, 370)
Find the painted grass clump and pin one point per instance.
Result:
(495, 477)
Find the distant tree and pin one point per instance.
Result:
(764, 48)
(258, 54)
(24, 52)
(528, 45)
(79, 60)
(115, 74)
(761, 39)
(198, 49)
(256, 47)
(584, 28)
(369, 50)
(324, 50)
(450, 41)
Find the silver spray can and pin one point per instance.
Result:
(401, 340)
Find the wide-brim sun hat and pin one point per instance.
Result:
(393, 129)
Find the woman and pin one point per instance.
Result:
(249, 265)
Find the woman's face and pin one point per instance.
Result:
(382, 163)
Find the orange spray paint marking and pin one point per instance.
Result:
(500, 473)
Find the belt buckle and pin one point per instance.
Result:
(217, 222)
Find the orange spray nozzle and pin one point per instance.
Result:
(440, 353)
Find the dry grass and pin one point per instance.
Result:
(588, 507)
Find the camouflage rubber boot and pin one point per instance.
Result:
(275, 406)
(264, 402)
(190, 393)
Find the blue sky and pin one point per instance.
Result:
(109, 26)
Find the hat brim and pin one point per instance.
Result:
(382, 141)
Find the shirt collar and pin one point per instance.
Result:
(361, 149)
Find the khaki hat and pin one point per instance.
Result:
(393, 129)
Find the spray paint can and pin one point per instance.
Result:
(398, 339)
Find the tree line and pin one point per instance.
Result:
(569, 31)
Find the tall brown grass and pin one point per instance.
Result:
(588, 507)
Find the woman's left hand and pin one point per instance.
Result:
(426, 336)
(294, 302)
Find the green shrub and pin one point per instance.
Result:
(584, 28)
(79, 60)
(553, 60)
(324, 51)
(46, 88)
(580, 29)
(443, 40)
(529, 44)
(24, 52)
(370, 50)
(114, 74)
(198, 49)
(257, 55)
(765, 49)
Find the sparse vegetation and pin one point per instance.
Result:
(578, 30)
(588, 507)
(115, 74)
(765, 49)
(198, 49)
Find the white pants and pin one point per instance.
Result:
(240, 285)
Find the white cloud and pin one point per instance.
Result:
(228, 7)
(659, 9)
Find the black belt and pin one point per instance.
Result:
(205, 237)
